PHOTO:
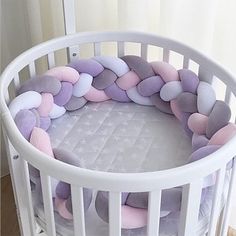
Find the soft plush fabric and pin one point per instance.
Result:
(206, 98)
(87, 196)
(184, 123)
(218, 118)
(160, 104)
(40, 139)
(46, 104)
(175, 109)
(27, 100)
(116, 93)
(25, 121)
(141, 67)
(198, 123)
(64, 94)
(60, 205)
(105, 79)
(95, 95)
(83, 85)
(41, 84)
(189, 80)
(45, 123)
(37, 117)
(223, 135)
(75, 103)
(66, 157)
(56, 111)
(202, 152)
(64, 73)
(115, 64)
(150, 85)
(88, 66)
(199, 141)
(167, 72)
(134, 95)
(171, 90)
(128, 80)
(132, 218)
(187, 102)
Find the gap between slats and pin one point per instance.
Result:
(28, 196)
(216, 205)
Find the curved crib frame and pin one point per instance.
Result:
(21, 153)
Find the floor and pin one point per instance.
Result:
(9, 224)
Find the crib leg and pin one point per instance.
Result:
(18, 185)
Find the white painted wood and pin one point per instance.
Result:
(228, 95)
(186, 63)
(70, 26)
(144, 49)
(28, 196)
(78, 207)
(226, 212)
(216, 205)
(166, 54)
(32, 70)
(114, 214)
(154, 207)
(47, 202)
(69, 16)
(51, 60)
(16, 81)
(191, 197)
(97, 49)
(7, 96)
(121, 49)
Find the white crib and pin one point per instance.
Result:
(21, 153)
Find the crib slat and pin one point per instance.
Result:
(114, 214)
(121, 49)
(144, 48)
(166, 54)
(216, 205)
(205, 74)
(69, 16)
(7, 96)
(51, 60)
(97, 49)
(191, 195)
(185, 63)
(32, 69)
(17, 81)
(28, 196)
(226, 212)
(78, 207)
(228, 95)
(154, 205)
(47, 202)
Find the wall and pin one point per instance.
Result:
(15, 38)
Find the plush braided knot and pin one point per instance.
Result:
(126, 79)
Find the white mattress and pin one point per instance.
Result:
(122, 137)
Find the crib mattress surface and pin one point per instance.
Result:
(122, 137)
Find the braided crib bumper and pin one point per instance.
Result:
(128, 79)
